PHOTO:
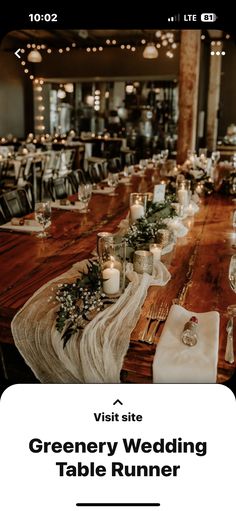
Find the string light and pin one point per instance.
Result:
(166, 39)
(39, 108)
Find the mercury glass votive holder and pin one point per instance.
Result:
(143, 262)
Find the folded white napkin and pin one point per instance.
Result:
(104, 191)
(174, 362)
(71, 207)
(31, 226)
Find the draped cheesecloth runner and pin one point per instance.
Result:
(96, 355)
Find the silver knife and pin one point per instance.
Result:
(229, 351)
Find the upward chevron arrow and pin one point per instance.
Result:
(117, 401)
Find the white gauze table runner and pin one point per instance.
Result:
(96, 355)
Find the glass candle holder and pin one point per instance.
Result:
(138, 205)
(143, 261)
(183, 194)
(156, 250)
(164, 237)
(101, 235)
(112, 261)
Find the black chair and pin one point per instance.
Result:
(76, 178)
(94, 172)
(15, 203)
(2, 217)
(58, 188)
(129, 158)
(114, 165)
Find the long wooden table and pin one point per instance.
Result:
(27, 263)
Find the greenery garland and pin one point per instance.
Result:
(80, 301)
(146, 229)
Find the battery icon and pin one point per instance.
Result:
(208, 16)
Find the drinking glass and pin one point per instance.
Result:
(215, 156)
(164, 154)
(232, 273)
(233, 160)
(84, 195)
(128, 171)
(113, 181)
(202, 151)
(234, 228)
(43, 217)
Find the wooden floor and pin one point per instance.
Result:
(199, 260)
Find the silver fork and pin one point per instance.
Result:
(161, 316)
(151, 315)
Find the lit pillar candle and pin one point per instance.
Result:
(111, 280)
(136, 211)
(190, 210)
(156, 251)
(183, 197)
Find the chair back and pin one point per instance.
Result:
(15, 203)
(58, 188)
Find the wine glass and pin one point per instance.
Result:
(215, 156)
(232, 273)
(43, 217)
(84, 195)
(128, 171)
(234, 228)
(164, 155)
(112, 181)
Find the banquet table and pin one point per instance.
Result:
(28, 262)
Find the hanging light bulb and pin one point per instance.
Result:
(34, 56)
(150, 51)
(61, 94)
(69, 87)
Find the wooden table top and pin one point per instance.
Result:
(28, 262)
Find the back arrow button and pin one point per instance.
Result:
(17, 53)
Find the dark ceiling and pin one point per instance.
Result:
(83, 38)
